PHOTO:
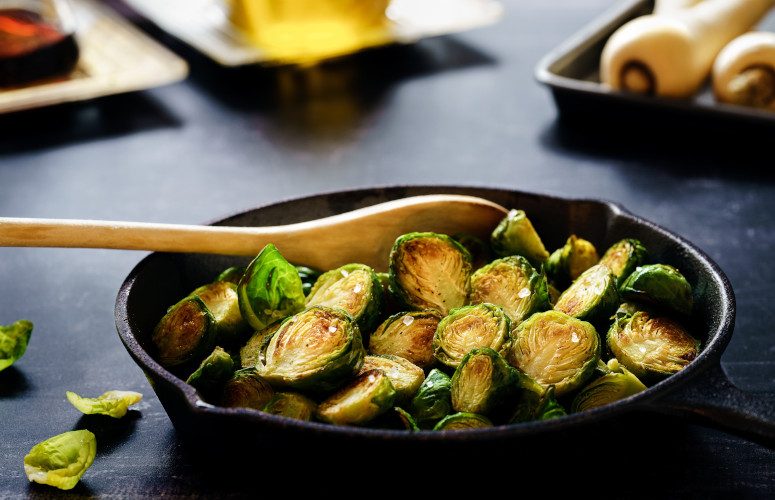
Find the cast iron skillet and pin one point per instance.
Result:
(701, 390)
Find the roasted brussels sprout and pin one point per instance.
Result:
(462, 421)
(430, 271)
(661, 285)
(255, 348)
(317, 350)
(212, 373)
(433, 400)
(291, 405)
(308, 277)
(186, 333)
(480, 252)
(408, 335)
(538, 404)
(554, 295)
(368, 396)
(483, 383)
(567, 263)
(623, 257)
(13, 342)
(405, 376)
(611, 387)
(61, 461)
(548, 407)
(231, 275)
(222, 301)
(469, 327)
(592, 297)
(246, 389)
(513, 284)
(515, 235)
(112, 403)
(407, 419)
(355, 288)
(651, 347)
(554, 349)
(270, 289)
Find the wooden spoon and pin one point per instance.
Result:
(364, 235)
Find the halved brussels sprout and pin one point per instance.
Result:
(554, 349)
(567, 263)
(480, 252)
(462, 421)
(13, 342)
(246, 389)
(623, 257)
(317, 350)
(291, 405)
(61, 461)
(213, 372)
(607, 389)
(405, 376)
(591, 297)
(355, 288)
(469, 327)
(430, 271)
(515, 235)
(368, 396)
(483, 383)
(231, 275)
(408, 335)
(223, 302)
(186, 333)
(308, 277)
(513, 284)
(661, 285)
(651, 347)
(433, 400)
(111, 403)
(537, 405)
(254, 349)
(270, 289)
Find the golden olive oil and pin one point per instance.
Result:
(305, 31)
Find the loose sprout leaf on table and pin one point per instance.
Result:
(60, 461)
(451, 338)
(13, 342)
(111, 403)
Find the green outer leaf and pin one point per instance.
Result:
(270, 289)
(407, 419)
(410, 297)
(623, 257)
(111, 403)
(607, 389)
(433, 400)
(462, 421)
(515, 235)
(291, 405)
(61, 460)
(548, 407)
(13, 342)
(514, 269)
(213, 372)
(661, 285)
(498, 332)
(592, 297)
(371, 295)
(472, 393)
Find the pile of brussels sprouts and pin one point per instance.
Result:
(458, 334)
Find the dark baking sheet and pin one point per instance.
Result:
(571, 71)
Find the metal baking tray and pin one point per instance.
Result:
(115, 57)
(571, 71)
(204, 24)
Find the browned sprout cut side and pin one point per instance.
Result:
(623, 257)
(430, 271)
(246, 389)
(469, 327)
(355, 288)
(513, 284)
(367, 397)
(317, 350)
(291, 405)
(555, 349)
(483, 383)
(405, 376)
(408, 335)
(185, 334)
(592, 297)
(651, 347)
(613, 386)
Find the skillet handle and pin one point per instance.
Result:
(711, 399)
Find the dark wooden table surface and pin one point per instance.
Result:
(458, 110)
